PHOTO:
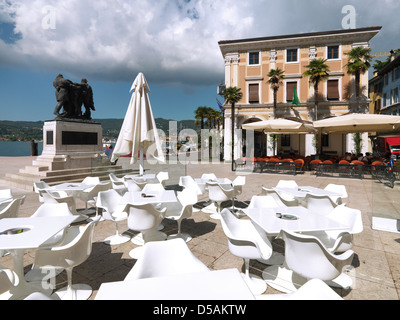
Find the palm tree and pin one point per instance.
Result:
(359, 63)
(317, 70)
(201, 113)
(275, 80)
(233, 95)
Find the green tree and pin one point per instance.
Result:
(317, 71)
(359, 63)
(275, 80)
(201, 113)
(233, 95)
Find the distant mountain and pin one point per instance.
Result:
(27, 130)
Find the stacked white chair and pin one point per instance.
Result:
(11, 208)
(308, 257)
(187, 182)
(75, 250)
(218, 194)
(246, 242)
(40, 186)
(118, 184)
(90, 195)
(264, 202)
(132, 185)
(338, 241)
(112, 210)
(279, 198)
(287, 184)
(91, 181)
(181, 210)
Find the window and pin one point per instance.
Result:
(254, 58)
(395, 95)
(378, 104)
(385, 79)
(333, 90)
(289, 90)
(285, 140)
(291, 55)
(325, 140)
(254, 93)
(384, 99)
(333, 52)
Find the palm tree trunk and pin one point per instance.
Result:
(275, 94)
(233, 134)
(316, 92)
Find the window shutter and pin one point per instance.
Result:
(289, 90)
(333, 89)
(253, 93)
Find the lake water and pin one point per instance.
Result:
(18, 149)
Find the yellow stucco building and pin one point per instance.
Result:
(248, 62)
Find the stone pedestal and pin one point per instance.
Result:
(71, 144)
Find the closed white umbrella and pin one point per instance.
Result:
(280, 126)
(358, 122)
(138, 131)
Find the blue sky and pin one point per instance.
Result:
(173, 42)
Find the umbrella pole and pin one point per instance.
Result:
(141, 162)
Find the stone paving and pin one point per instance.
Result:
(376, 262)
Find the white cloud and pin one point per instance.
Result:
(169, 40)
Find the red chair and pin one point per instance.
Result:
(314, 163)
(299, 164)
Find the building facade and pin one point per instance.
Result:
(248, 62)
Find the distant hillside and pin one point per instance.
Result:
(28, 130)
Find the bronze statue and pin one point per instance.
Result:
(71, 96)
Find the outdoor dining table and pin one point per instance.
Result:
(225, 284)
(301, 192)
(294, 219)
(35, 232)
(156, 196)
(71, 188)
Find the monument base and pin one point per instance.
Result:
(71, 144)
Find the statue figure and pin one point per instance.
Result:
(71, 96)
(87, 99)
(62, 95)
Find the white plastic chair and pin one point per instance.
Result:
(188, 182)
(238, 184)
(75, 250)
(166, 258)
(90, 195)
(208, 176)
(109, 201)
(132, 185)
(309, 258)
(118, 184)
(63, 197)
(153, 187)
(49, 210)
(162, 177)
(218, 194)
(144, 218)
(279, 198)
(338, 241)
(6, 194)
(39, 186)
(320, 204)
(11, 208)
(338, 188)
(246, 242)
(263, 202)
(91, 181)
(313, 289)
(181, 210)
(287, 184)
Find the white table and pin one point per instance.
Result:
(37, 231)
(301, 192)
(135, 197)
(306, 221)
(72, 189)
(280, 277)
(145, 177)
(213, 285)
